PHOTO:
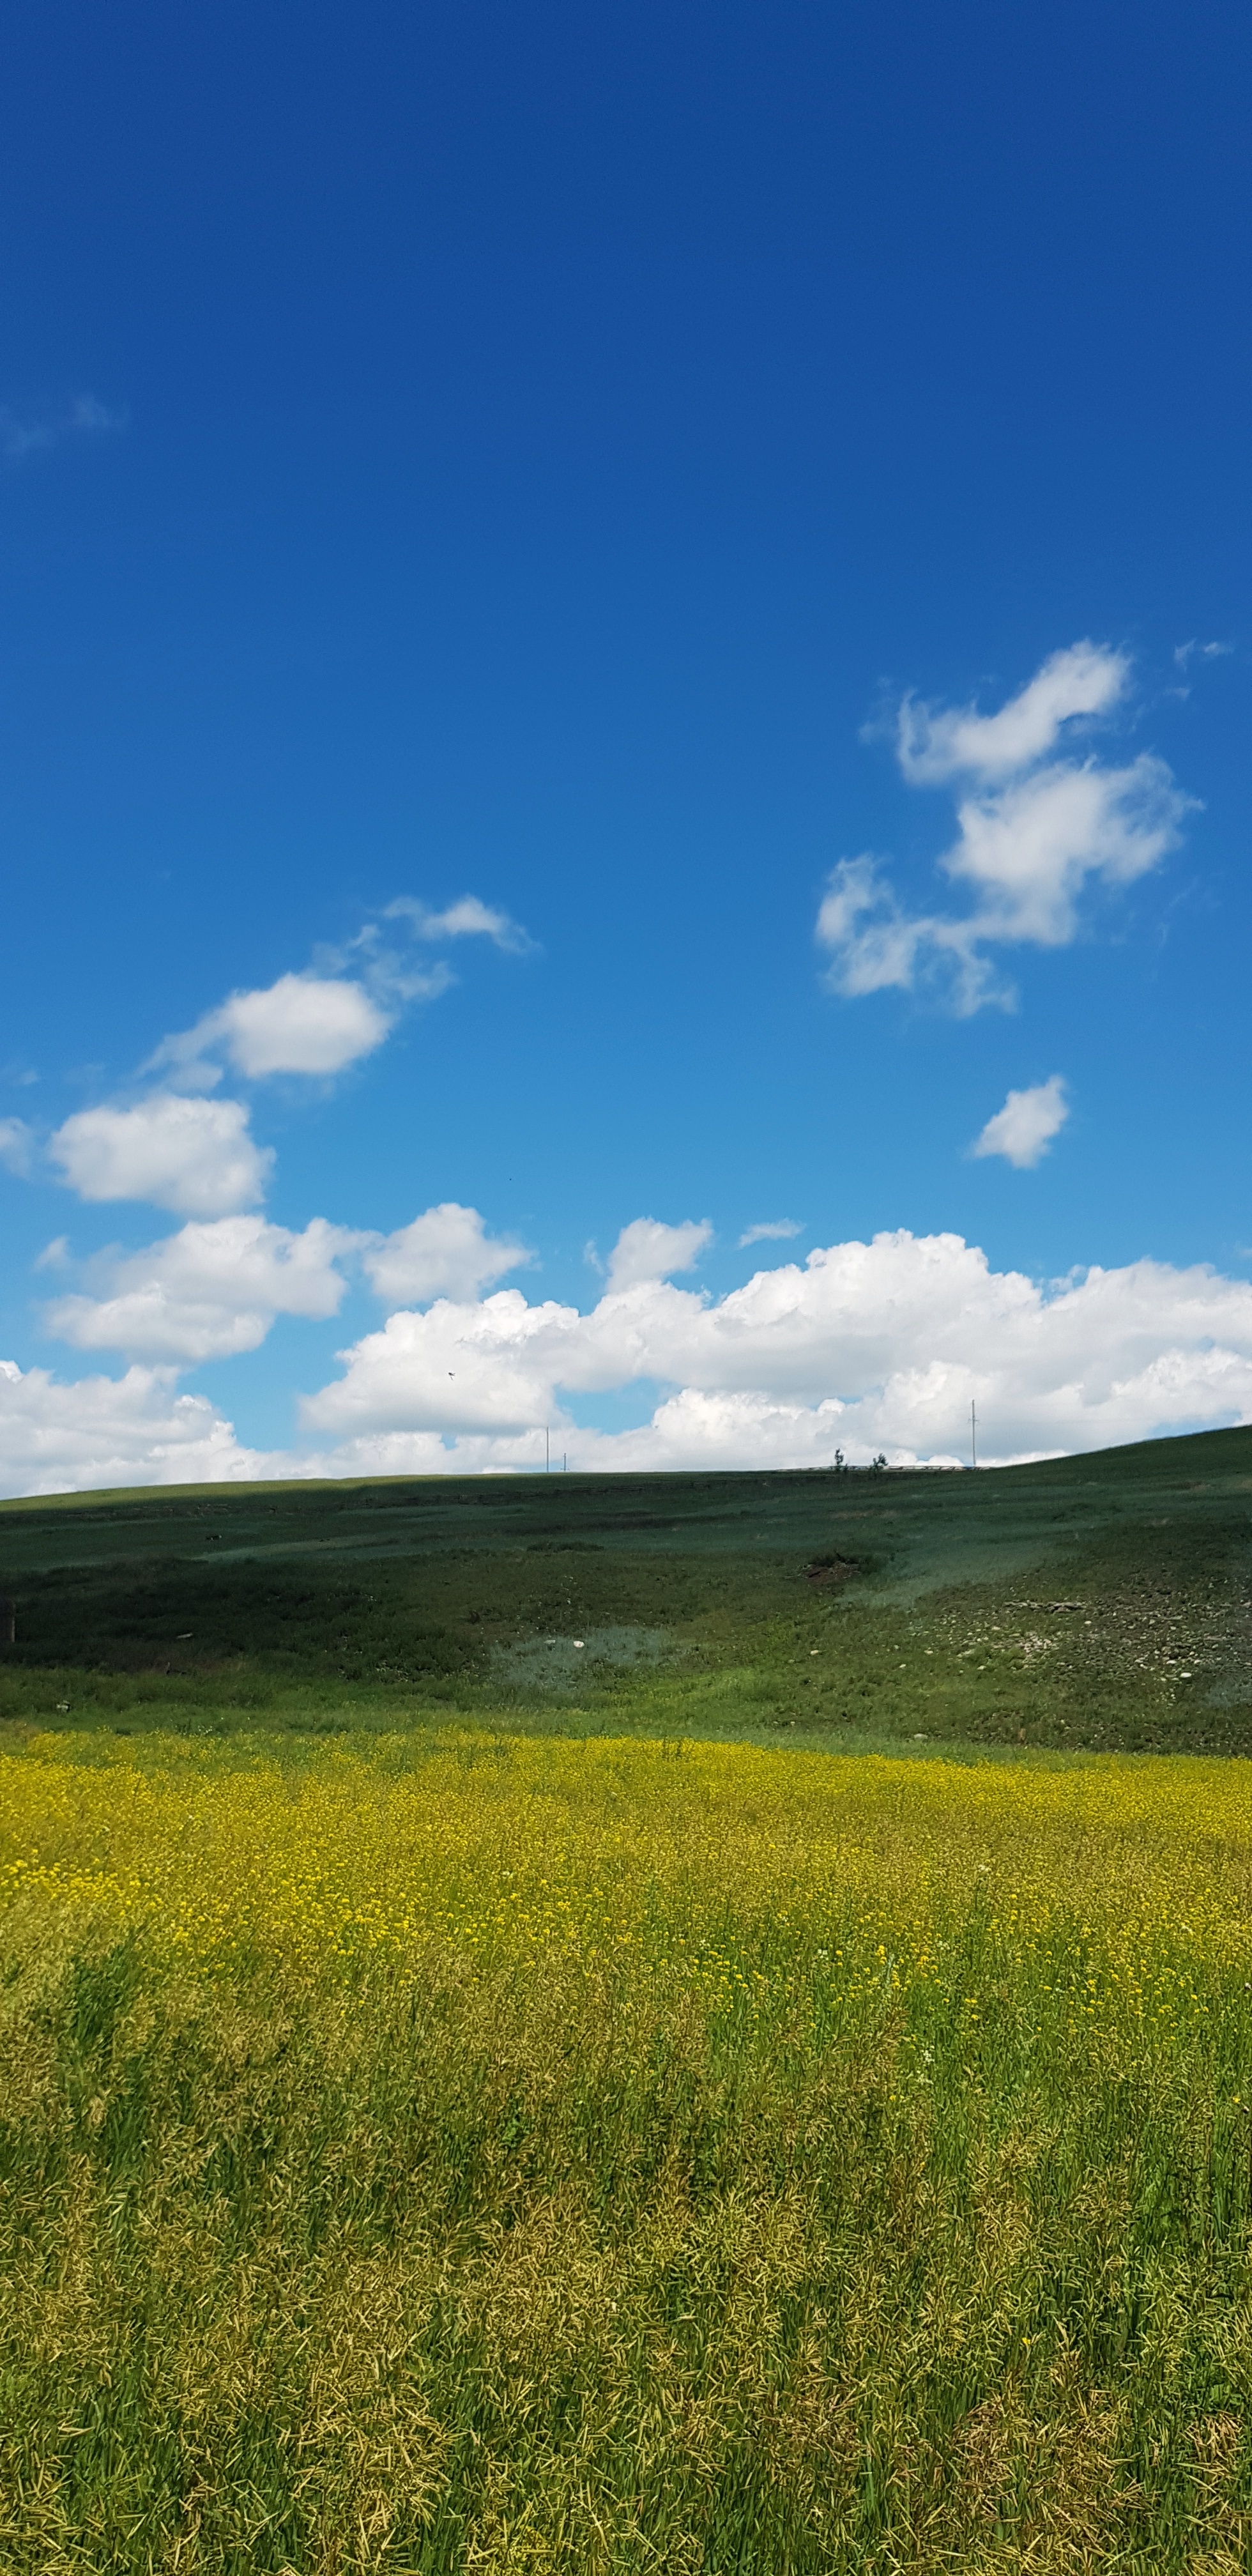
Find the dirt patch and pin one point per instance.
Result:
(557, 1665)
(825, 1572)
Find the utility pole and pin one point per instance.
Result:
(973, 1431)
(547, 1449)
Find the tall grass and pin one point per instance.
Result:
(516, 2156)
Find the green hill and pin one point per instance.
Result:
(1101, 1601)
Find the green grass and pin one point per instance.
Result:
(499, 2073)
(1095, 1603)
(457, 2152)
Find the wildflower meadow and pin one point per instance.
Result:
(508, 2154)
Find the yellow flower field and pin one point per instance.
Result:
(480, 2152)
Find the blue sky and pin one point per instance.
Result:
(582, 463)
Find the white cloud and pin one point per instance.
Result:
(1033, 836)
(24, 434)
(1023, 1130)
(446, 1252)
(207, 1292)
(937, 743)
(864, 1347)
(213, 1290)
(331, 1016)
(872, 944)
(311, 1024)
(1030, 849)
(1207, 652)
(782, 1230)
(468, 918)
(102, 1431)
(647, 1250)
(194, 1156)
(485, 1368)
(867, 1346)
(16, 1144)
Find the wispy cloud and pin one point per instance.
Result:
(29, 432)
(392, 973)
(467, 918)
(1183, 653)
(1023, 1130)
(16, 1145)
(338, 1010)
(1036, 828)
(934, 743)
(782, 1229)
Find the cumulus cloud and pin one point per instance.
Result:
(781, 1230)
(446, 1252)
(485, 1368)
(1034, 834)
(194, 1156)
(207, 1292)
(333, 1014)
(1029, 850)
(865, 1347)
(868, 1346)
(1023, 1130)
(213, 1290)
(101, 1431)
(647, 1250)
(312, 1024)
(16, 1145)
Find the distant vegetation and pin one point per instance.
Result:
(460, 2115)
(1098, 1603)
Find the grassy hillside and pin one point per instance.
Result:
(445, 2133)
(1093, 1603)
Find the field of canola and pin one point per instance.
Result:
(477, 2153)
